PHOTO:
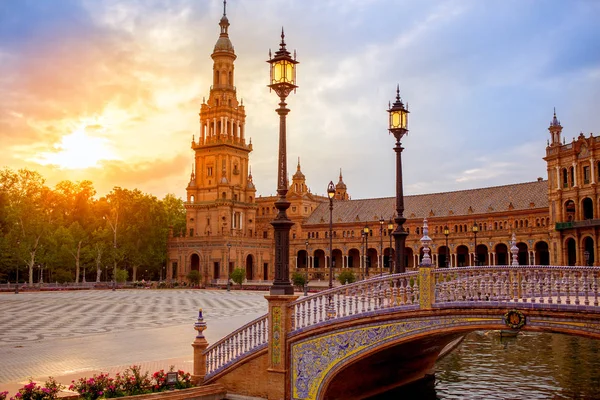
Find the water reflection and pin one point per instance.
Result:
(529, 366)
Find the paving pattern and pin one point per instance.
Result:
(36, 316)
(70, 332)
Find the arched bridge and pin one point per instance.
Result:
(363, 338)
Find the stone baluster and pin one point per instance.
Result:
(576, 277)
(543, 283)
(315, 309)
(567, 279)
(586, 286)
(559, 287)
(595, 287)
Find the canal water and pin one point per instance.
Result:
(529, 366)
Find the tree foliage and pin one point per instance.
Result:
(67, 229)
(238, 275)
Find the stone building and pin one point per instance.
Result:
(228, 226)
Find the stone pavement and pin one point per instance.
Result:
(72, 334)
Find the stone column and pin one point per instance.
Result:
(200, 344)
(280, 324)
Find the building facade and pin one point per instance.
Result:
(228, 226)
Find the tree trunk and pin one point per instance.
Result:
(99, 264)
(31, 262)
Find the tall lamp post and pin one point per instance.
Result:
(381, 221)
(446, 233)
(331, 194)
(398, 126)
(17, 264)
(366, 232)
(227, 266)
(283, 81)
(390, 230)
(475, 230)
(364, 260)
(306, 271)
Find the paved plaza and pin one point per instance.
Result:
(79, 333)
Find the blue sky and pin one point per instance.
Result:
(121, 82)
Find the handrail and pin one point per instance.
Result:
(387, 291)
(518, 284)
(236, 345)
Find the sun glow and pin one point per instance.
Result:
(78, 150)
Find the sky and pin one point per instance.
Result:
(110, 90)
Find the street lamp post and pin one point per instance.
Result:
(331, 194)
(398, 126)
(366, 232)
(306, 271)
(390, 230)
(446, 233)
(475, 230)
(381, 221)
(363, 263)
(228, 269)
(17, 265)
(283, 81)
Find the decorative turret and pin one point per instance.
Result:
(555, 129)
(426, 241)
(340, 189)
(298, 185)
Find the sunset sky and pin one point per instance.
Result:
(110, 90)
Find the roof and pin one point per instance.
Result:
(514, 197)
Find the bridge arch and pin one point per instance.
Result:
(341, 358)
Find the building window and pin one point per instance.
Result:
(264, 234)
(586, 175)
(209, 171)
(192, 232)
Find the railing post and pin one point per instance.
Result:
(280, 324)
(426, 287)
(200, 344)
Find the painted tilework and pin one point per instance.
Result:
(313, 359)
(276, 345)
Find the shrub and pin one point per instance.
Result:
(346, 276)
(133, 381)
(299, 279)
(194, 277)
(3, 395)
(92, 388)
(238, 276)
(122, 275)
(32, 391)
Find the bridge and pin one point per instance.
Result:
(364, 338)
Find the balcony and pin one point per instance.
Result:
(577, 224)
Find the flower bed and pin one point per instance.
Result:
(130, 382)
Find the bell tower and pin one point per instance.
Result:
(220, 197)
(555, 130)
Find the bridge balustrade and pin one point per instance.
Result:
(400, 290)
(243, 341)
(522, 284)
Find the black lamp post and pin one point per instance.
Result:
(381, 221)
(446, 233)
(283, 81)
(306, 271)
(366, 232)
(17, 264)
(475, 230)
(364, 260)
(398, 126)
(227, 266)
(390, 230)
(330, 194)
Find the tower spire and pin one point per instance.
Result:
(224, 8)
(555, 129)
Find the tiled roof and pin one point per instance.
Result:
(522, 196)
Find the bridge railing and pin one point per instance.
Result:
(387, 291)
(236, 345)
(518, 284)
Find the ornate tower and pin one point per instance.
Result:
(341, 192)
(221, 195)
(555, 130)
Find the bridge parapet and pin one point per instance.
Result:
(388, 291)
(243, 341)
(517, 284)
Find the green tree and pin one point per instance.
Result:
(194, 277)
(299, 279)
(238, 275)
(346, 276)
